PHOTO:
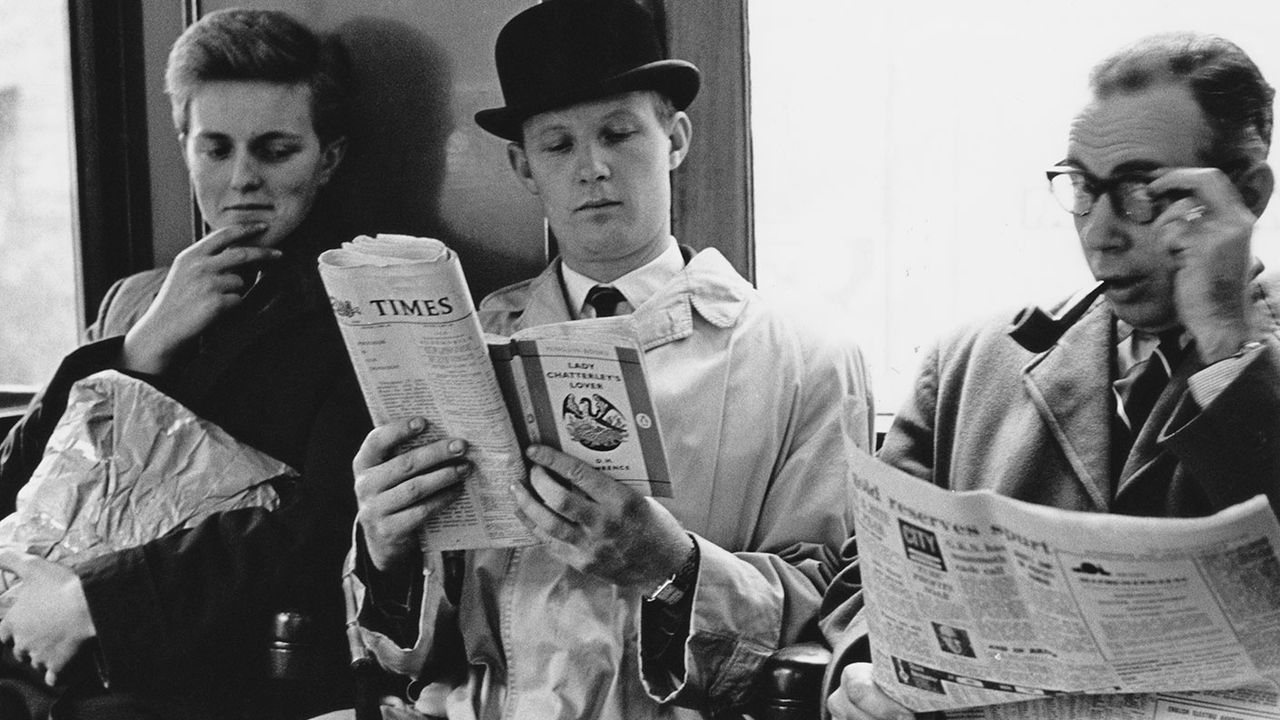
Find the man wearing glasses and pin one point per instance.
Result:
(1163, 399)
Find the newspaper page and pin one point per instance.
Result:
(975, 599)
(415, 341)
(1260, 703)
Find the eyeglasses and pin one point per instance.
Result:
(1077, 191)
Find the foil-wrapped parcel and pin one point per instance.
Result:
(127, 464)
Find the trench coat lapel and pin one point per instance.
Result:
(663, 318)
(1070, 386)
(546, 303)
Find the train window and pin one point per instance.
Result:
(38, 318)
(899, 151)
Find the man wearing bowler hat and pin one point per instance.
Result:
(632, 607)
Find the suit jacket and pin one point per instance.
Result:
(188, 613)
(987, 414)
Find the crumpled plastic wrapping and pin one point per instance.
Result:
(125, 465)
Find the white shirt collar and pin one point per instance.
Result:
(637, 286)
(1134, 345)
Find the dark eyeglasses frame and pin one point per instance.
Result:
(1111, 186)
(1096, 186)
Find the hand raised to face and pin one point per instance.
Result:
(206, 280)
(1187, 266)
(1208, 235)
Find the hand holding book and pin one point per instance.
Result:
(597, 525)
(418, 349)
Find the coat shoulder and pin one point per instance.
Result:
(144, 284)
(501, 309)
(126, 301)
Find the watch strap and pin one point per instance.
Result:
(673, 589)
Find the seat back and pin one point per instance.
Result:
(790, 687)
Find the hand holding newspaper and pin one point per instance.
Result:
(977, 599)
(418, 349)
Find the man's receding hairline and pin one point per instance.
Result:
(1156, 84)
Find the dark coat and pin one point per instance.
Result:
(188, 613)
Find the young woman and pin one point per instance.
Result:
(238, 329)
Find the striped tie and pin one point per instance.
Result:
(1149, 378)
(1133, 406)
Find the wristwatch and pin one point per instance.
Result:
(673, 589)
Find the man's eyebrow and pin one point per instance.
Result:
(276, 135)
(624, 113)
(552, 127)
(1135, 166)
(264, 137)
(1131, 167)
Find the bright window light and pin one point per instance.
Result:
(899, 150)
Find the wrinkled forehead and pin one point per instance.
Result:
(1161, 126)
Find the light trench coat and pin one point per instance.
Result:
(759, 420)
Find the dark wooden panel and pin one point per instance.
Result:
(113, 183)
(712, 192)
(172, 206)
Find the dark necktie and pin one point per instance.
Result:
(605, 299)
(1149, 379)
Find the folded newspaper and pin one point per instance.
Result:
(125, 465)
(975, 599)
(416, 343)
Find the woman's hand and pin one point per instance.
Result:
(205, 280)
(49, 621)
(398, 489)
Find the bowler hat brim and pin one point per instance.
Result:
(677, 79)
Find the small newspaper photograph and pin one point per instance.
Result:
(417, 347)
(975, 599)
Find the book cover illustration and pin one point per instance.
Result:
(590, 400)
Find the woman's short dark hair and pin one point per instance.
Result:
(1225, 82)
(241, 44)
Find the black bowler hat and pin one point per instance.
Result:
(562, 52)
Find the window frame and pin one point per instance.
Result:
(109, 120)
